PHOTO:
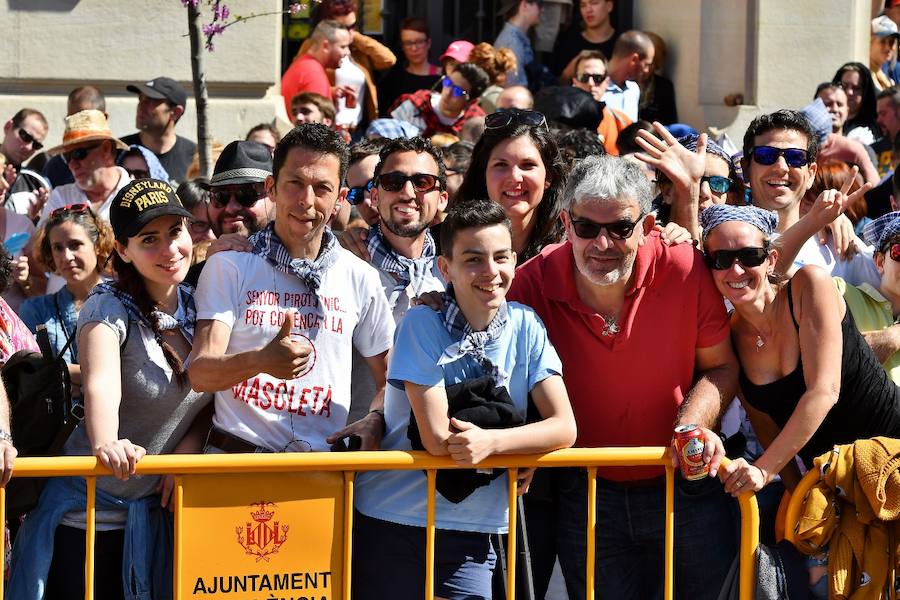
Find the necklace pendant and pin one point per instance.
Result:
(759, 342)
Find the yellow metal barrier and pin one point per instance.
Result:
(350, 463)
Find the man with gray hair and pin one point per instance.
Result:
(619, 303)
(330, 43)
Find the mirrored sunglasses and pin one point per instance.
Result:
(456, 91)
(357, 195)
(768, 155)
(717, 183)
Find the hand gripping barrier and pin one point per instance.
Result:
(349, 463)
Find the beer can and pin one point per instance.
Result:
(689, 446)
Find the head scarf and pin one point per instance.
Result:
(878, 232)
(764, 220)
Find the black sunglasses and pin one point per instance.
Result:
(508, 116)
(717, 183)
(767, 155)
(357, 195)
(597, 78)
(246, 194)
(79, 153)
(421, 182)
(617, 230)
(27, 138)
(722, 260)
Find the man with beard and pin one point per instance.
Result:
(409, 190)
(161, 102)
(238, 202)
(89, 150)
(608, 296)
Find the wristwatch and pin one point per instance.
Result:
(5, 436)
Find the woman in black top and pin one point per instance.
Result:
(808, 378)
(416, 74)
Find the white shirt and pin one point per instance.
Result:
(72, 194)
(351, 75)
(859, 269)
(626, 100)
(245, 292)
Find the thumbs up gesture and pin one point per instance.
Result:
(284, 357)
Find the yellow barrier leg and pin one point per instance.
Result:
(429, 537)
(349, 479)
(749, 542)
(511, 537)
(670, 533)
(179, 523)
(89, 538)
(591, 532)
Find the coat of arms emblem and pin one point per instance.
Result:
(262, 537)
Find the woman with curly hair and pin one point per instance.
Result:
(497, 63)
(75, 244)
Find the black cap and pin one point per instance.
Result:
(161, 88)
(242, 161)
(141, 201)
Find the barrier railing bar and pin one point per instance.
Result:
(513, 475)
(179, 537)
(429, 536)
(90, 532)
(90, 468)
(591, 553)
(349, 480)
(669, 581)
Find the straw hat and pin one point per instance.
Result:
(86, 126)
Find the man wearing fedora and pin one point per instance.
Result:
(89, 149)
(161, 103)
(238, 202)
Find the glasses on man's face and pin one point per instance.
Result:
(357, 195)
(69, 209)
(27, 138)
(199, 227)
(79, 153)
(768, 155)
(617, 230)
(245, 194)
(509, 116)
(455, 90)
(414, 43)
(717, 183)
(138, 173)
(592, 78)
(421, 182)
(722, 260)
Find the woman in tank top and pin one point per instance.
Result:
(808, 378)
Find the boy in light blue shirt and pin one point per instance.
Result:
(476, 334)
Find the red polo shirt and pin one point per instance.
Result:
(305, 74)
(625, 389)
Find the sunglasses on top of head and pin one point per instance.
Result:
(455, 90)
(421, 182)
(69, 209)
(27, 138)
(722, 260)
(244, 194)
(505, 117)
(768, 155)
(617, 230)
(357, 195)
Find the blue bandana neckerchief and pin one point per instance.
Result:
(267, 245)
(406, 270)
(185, 316)
(470, 342)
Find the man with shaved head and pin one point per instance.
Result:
(632, 56)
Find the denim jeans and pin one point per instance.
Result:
(630, 537)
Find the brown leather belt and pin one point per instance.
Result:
(231, 444)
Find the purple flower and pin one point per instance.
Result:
(211, 30)
(296, 7)
(221, 12)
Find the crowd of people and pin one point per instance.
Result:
(507, 252)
